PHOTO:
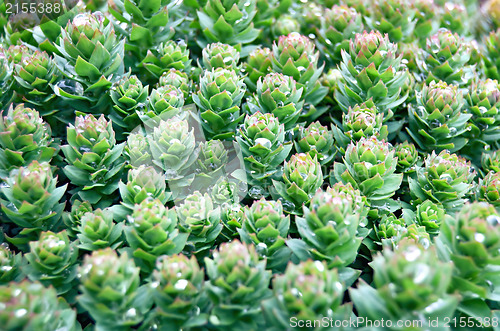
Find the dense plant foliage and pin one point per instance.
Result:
(250, 165)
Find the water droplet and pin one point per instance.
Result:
(493, 220)
(21, 312)
(412, 253)
(479, 237)
(181, 284)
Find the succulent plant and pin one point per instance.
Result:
(391, 230)
(309, 291)
(229, 22)
(262, 142)
(482, 102)
(317, 141)
(409, 283)
(258, 65)
(129, 97)
(177, 284)
(437, 121)
(178, 79)
(93, 159)
(407, 155)
(488, 189)
(454, 17)
(31, 201)
(237, 284)
(232, 218)
(339, 24)
(284, 25)
(168, 55)
(372, 69)
(361, 121)
(139, 23)
(279, 95)
(218, 55)
(31, 306)
(302, 176)
(52, 261)
(72, 218)
(143, 183)
(110, 290)
(86, 35)
(97, 230)
(491, 58)
(219, 99)
(396, 18)
(444, 58)
(294, 55)
(137, 150)
(491, 161)
(152, 231)
(471, 239)
(430, 215)
(203, 222)
(173, 148)
(444, 178)
(329, 228)
(426, 14)
(370, 166)
(24, 137)
(34, 76)
(163, 102)
(10, 265)
(265, 226)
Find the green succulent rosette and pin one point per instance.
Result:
(168, 55)
(31, 306)
(471, 239)
(361, 121)
(444, 58)
(444, 178)
(437, 120)
(137, 150)
(232, 218)
(370, 166)
(219, 100)
(24, 137)
(177, 284)
(339, 24)
(94, 162)
(317, 141)
(30, 200)
(129, 97)
(52, 260)
(72, 218)
(10, 265)
(180, 80)
(257, 65)
(329, 228)
(396, 18)
(262, 142)
(237, 284)
(143, 182)
(266, 226)
(203, 222)
(483, 103)
(490, 161)
(491, 58)
(407, 155)
(145, 25)
(430, 215)
(372, 69)
(294, 55)
(302, 176)
(91, 54)
(152, 231)
(6, 80)
(228, 22)
(34, 76)
(279, 95)
(97, 230)
(111, 292)
(163, 102)
(409, 284)
(488, 189)
(219, 55)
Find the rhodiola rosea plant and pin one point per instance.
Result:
(250, 165)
